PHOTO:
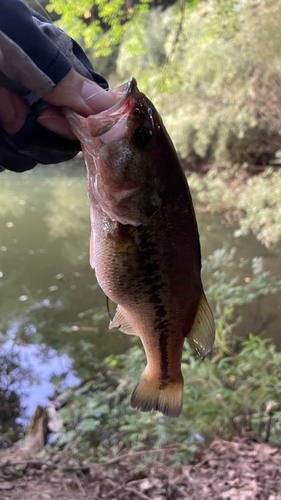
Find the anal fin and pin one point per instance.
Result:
(201, 336)
(120, 321)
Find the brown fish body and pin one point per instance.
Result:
(145, 244)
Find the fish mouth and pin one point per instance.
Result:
(126, 90)
(109, 117)
(101, 123)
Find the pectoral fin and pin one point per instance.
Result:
(202, 333)
(92, 261)
(120, 321)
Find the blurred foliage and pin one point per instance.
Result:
(214, 73)
(213, 70)
(236, 389)
(252, 200)
(100, 23)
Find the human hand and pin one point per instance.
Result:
(74, 91)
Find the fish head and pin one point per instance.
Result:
(128, 154)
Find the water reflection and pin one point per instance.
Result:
(27, 370)
(53, 315)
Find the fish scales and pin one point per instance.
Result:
(148, 276)
(145, 244)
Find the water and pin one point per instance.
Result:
(53, 316)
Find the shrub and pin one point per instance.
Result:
(222, 395)
(219, 86)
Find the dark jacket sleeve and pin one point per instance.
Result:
(34, 57)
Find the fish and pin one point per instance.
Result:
(144, 244)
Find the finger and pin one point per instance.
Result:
(53, 119)
(13, 111)
(80, 94)
(95, 98)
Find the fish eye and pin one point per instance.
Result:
(142, 137)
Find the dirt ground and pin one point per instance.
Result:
(244, 469)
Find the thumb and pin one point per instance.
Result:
(80, 94)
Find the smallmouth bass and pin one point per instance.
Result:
(144, 243)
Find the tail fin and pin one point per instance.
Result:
(151, 394)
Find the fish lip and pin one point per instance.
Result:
(130, 88)
(106, 118)
(131, 85)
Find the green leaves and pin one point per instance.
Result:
(254, 199)
(88, 425)
(222, 395)
(213, 70)
(100, 23)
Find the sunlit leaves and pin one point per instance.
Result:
(217, 84)
(101, 23)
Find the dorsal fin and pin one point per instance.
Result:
(120, 321)
(201, 336)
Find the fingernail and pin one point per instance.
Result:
(96, 98)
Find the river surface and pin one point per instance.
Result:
(53, 315)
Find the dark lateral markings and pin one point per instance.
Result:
(153, 283)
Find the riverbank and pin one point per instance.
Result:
(244, 469)
(56, 347)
